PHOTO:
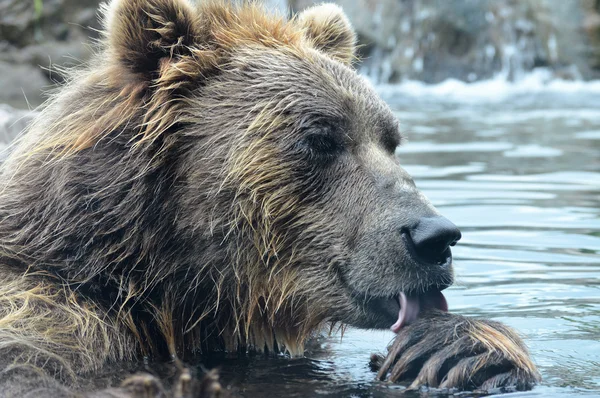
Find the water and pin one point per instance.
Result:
(520, 174)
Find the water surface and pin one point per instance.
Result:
(520, 175)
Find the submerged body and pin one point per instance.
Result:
(216, 179)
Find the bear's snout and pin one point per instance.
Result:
(429, 240)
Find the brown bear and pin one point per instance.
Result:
(217, 178)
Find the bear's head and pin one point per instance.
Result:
(232, 168)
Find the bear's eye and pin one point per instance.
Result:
(322, 143)
(390, 136)
(321, 147)
(391, 142)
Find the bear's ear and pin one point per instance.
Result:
(142, 33)
(329, 30)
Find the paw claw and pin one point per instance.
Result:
(183, 386)
(210, 386)
(143, 386)
(187, 386)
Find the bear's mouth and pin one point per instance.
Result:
(412, 305)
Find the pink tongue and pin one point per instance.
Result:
(410, 307)
(409, 311)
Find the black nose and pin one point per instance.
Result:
(432, 237)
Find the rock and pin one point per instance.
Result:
(22, 84)
(433, 40)
(38, 37)
(25, 22)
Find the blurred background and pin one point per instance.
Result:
(500, 101)
(424, 40)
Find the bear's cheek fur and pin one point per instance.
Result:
(348, 224)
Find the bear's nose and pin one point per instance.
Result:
(432, 237)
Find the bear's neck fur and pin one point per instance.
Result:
(104, 223)
(108, 234)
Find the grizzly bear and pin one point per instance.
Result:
(218, 178)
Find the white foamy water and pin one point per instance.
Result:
(540, 81)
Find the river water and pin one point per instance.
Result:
(518, 170)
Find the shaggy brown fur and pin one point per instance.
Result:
(216, 178)
(452, 352)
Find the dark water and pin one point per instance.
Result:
(521, 177)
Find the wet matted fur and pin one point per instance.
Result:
(448, 353)
(217, 178)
